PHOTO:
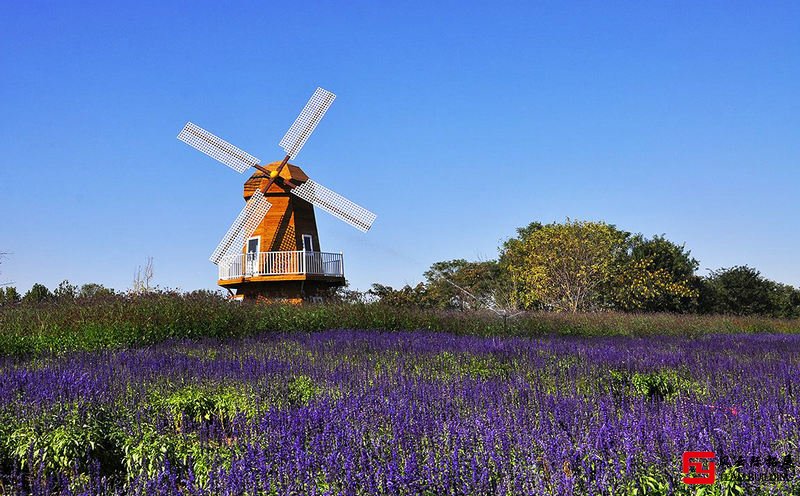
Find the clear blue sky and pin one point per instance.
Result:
(455, 122)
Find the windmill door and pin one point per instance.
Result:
(251, 257)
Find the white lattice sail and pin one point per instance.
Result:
(304, 125)
(217, 148)
(243, 227)
(336, 205)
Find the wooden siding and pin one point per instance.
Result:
(282, 230)
(290, 216)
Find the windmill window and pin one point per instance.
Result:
(253, 244)
(307, 243)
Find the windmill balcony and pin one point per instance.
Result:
(281, 264)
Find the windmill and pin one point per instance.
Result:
(279, 215)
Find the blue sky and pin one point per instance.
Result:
(456, 122)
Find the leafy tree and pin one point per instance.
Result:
(9, 296)
(38, 294)
(583, 265)
(785, 301)
(665, 254)
(739, 290)
(467, 285)
(680, 267)
(95, 291)
(655, 275)
(344, 294)
(404, 297)
(564, 267)
(65, 291)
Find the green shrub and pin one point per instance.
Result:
(64, 441)
(661, 385)
(202, 404)
(301, 389)
(145, 451)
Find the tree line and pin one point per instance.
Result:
(574, 266)
(580, 266)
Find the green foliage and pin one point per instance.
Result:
(405, 297)
(64, 441)
(743, 290)
(37, 294)
(9, 296)
(662, 385)
(652, 482)
(65, 291)
(739, 290)
(463, 285)
(655, 275)
(301, 389)
(483, 367)
(92, 291)
(665, 255)
(655, 482)
(582, 265)
(125, 321)
(731, 482)
(785, 301)
(201, 404)
(146, 450)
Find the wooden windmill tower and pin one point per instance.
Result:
(272, 249)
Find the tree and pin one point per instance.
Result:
(343, 294)
(403, 297)
(582, 265)
(678, 264)
(9, 296)
(95, 291)
(65, 291)
(564, 267)
(785, 301)
(655, 275)
(469, 285)
(37, 294)
(638, 284)
(738, 290)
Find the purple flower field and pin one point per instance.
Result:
(360, 413)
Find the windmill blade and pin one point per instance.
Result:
(243, 227)
(305, 123)
(217, 148)
(335, 204)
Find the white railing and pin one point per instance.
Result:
(274, 263)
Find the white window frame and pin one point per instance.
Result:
(247, 245)
(251, 266)
(311, 241)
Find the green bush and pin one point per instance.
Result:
(204, 403)
(661, 385)
(65, 440)
(145, 451)
(301, 389)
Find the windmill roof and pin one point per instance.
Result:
(290, 173)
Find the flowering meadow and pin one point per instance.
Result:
(366, 412)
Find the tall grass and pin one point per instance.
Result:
(120, 322)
